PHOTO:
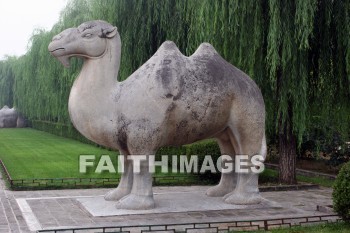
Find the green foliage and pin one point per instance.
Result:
(59, 129)
(287, 54)
(338, 227)
(200, 149)
(207, 147)
(7, 80)
(316, 180)
(268, 176)
(297, 51)
(341, 192)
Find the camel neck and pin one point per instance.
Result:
(97, 82)
(100, 74)
(93, 95)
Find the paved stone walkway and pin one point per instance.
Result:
(11, 218)
(22, 211)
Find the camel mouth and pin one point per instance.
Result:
(55, 50)
(59, 53)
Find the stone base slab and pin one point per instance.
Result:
(171, 202)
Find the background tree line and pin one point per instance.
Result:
(298, 52)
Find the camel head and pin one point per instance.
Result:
(89, 40)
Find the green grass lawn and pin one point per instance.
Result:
(325, 228)
(28, 153)
(33, 154)
(271, 176)
(316, 180)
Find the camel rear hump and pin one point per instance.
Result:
(170, 75)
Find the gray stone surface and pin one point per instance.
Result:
(60, 208)
(169, 202)
(10, 118)
(11, 218)
(170, 100)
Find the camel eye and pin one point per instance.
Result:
(87, 35)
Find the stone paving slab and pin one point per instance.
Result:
(64, 210)
(170, 202)
(11, 218)
(27, 211)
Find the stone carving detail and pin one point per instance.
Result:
(170, 100)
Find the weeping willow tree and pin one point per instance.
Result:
(298, 52)
(295, 50)
(289, 29)
(329, 61)
(308, 64)
(7, 79)
(42, 85)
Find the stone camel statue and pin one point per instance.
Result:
(10, 118)
(170, 100)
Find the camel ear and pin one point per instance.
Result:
(108, 32)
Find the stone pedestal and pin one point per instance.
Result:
(171, 202)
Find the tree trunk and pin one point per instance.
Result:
(287, 151)
(287, 157)
(286, 141)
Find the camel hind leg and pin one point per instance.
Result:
(248, 139)
(227, 181)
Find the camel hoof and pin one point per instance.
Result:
(243, 198)
(116, 194)
(136, 202)
(218, 191)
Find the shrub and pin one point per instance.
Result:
(170, 151)
(202, 148)
(63, 130)
(341, 192)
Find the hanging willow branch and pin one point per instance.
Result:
(298, 51)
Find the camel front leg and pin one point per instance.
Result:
(141, 196)
(125, 184)
(227, 181)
